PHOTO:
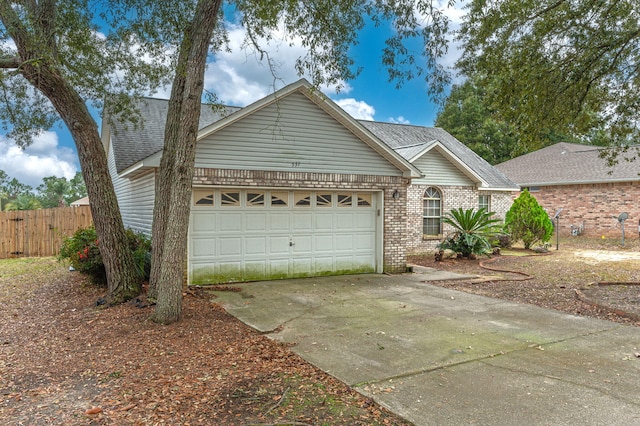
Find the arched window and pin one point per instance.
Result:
(432, 213)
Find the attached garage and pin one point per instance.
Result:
(248, 234)
(290, 186)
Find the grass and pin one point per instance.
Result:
(24, 275)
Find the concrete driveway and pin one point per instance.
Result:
(438, 357)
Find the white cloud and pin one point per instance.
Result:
(243, 75)
(42, 159)
(399, 120)
(357, 109)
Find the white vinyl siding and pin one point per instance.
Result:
(291, 135)
(135, 198)
(438, 170)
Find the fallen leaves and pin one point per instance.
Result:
(64, 354)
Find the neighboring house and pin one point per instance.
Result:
(453, 177)
(574, 178)
(84, 201)
(290, 186)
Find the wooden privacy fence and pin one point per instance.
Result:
(39, 233)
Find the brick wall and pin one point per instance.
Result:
(395, 211)
(453, 197)
(593, 205)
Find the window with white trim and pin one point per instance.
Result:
(432, 213)
(484, 202)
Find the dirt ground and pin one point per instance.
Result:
(65, 360)
(590, 277)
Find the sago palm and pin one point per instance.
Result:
(472, 230)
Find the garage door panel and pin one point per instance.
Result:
(344, 242)
(324, 221)
(365, 221)
(302, 266)
(302, 221)
(344, 221)
(324, 264)
(229, 222)
(323, 243)
(203, 248)
(230, 246)
(303, 244)
(279, 245)
(203, 223)
(279, 268)
(255, 222)
(255, 270)
(279, 221)
(364, 241)
(256, 246)
(248, 242)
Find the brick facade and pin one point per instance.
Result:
(453, 197)
(593, 207)
(394, 211)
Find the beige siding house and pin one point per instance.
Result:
(292, 186)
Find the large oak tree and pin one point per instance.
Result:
(327, 29)
(53, 60)
(56, 49)
(568, 65)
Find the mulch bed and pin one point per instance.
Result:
(64, 360)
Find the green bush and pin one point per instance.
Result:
(472, 231)
(527, 221)
(83, 253)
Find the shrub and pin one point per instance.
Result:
(83, 253)
(526, 220)
(472, 231)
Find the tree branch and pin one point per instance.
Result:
(10, 62)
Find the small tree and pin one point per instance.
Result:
(526, 220)
(472, 230)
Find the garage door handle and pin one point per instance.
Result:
(291, 243)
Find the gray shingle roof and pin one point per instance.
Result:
(131, 145)
(409, 141)
(567, 163)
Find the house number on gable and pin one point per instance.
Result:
(295, 164)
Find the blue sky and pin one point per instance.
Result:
(239, 78)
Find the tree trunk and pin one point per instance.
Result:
(38, 63)
(173, 193)
(123, 284)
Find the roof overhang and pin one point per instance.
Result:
(142, 167)
(577, 182)
(331, 108)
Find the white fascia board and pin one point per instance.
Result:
(461, 165)
(490, 189)
(152, 161)
(331, 108)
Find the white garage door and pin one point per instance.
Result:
(249, 235)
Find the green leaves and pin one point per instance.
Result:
(564, 65)
(328, 29)
(472, 230)
(526, 220)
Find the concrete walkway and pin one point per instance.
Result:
(441, 357)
